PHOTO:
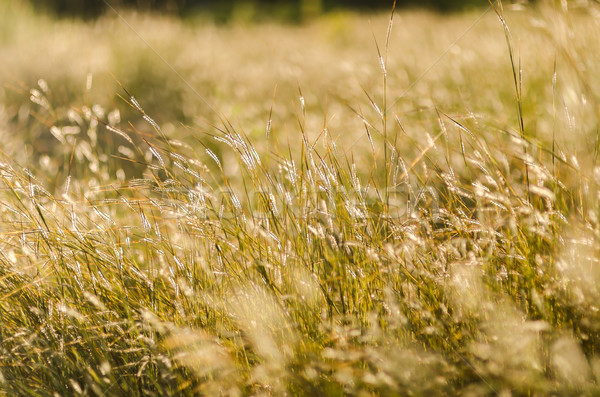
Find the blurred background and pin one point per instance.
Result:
(293, 10)
(67, 63)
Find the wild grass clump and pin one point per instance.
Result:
(447, 252)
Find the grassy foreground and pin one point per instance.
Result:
(349, 234)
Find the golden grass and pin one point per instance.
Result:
(305, 226)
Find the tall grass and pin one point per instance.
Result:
(444, 244)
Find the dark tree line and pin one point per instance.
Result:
(92, 8)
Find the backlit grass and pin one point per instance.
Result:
(314, 223)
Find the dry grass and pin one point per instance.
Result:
(349, 236)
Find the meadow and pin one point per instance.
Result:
(379, 204)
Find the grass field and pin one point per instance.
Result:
(343, 207)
